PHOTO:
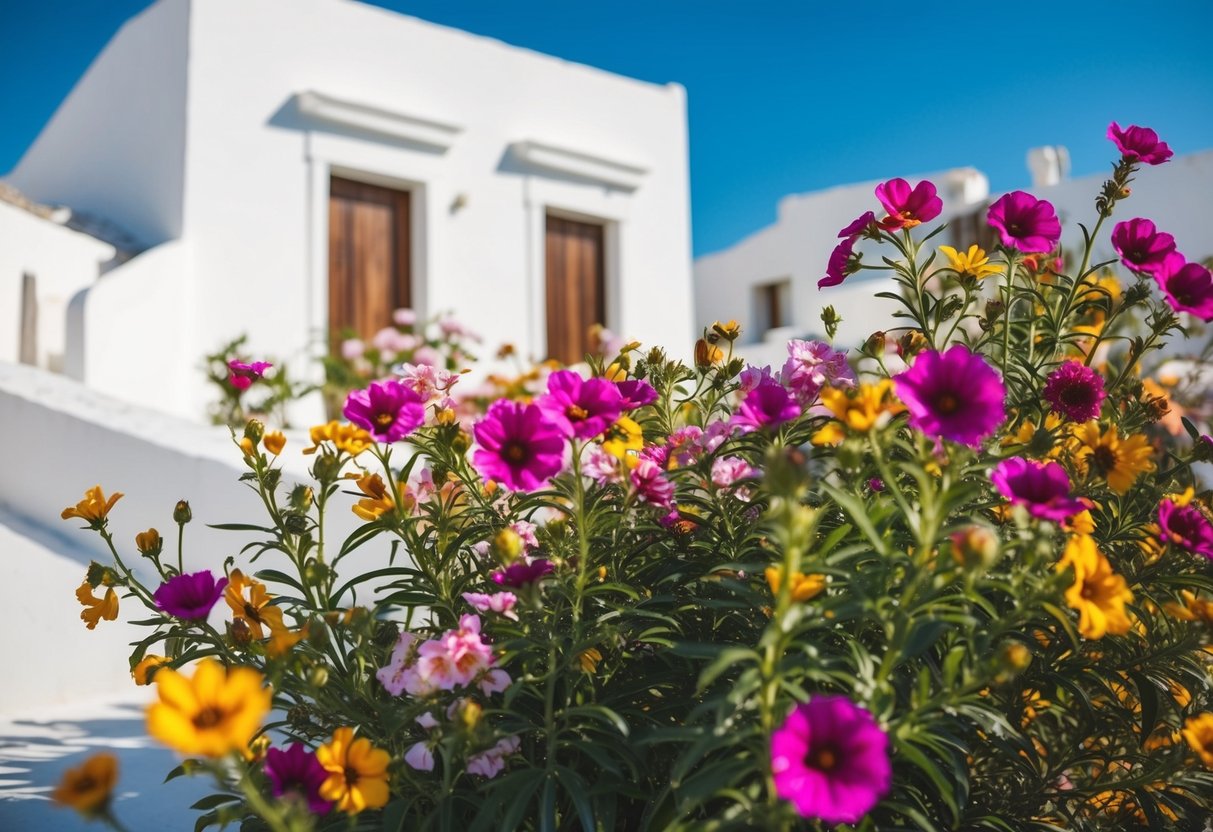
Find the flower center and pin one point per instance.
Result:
(251, 612)
(947, 403)
(85, 784)
(1088, 591)
(351, 777)
(822, 759)
(576, 413)
(1075, 394)
(207, 718)
(384, 420)
(514, 452)
(1104, 459)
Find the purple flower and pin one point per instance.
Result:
(190, 597)
(952, 395)
(858, 227)
(636, 393)
(839, 264)
(243, 375)
(1025, 222)
(519, 574)
(296, 773)
(1075, 391)
(389, 409)
(1041, 487)
(1188, 288)
(1141, 246)
(579, 407)
(519, 447)
(812, 365)
(1186, 527)
(767, 405)
(908, 208)
(651, 484)
(831, 760)
(1139, 144)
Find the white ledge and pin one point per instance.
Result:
(582, 165)
(376, 119)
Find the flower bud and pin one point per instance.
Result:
(99, 575)
(254, 430)
(470, 713)
(460, 442)
(318, 677)
(326, 469)
(295, 523)
(911, 343)
(975, 547)
(728, 331)
(876, 343)
(182, 513)
(1016, 657)
(149, 543)
(706, 355)
(274, 442)
(507, 546)
(301, 497)
(240, 632)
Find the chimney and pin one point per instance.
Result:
(1048, 165)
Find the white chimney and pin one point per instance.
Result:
(1048, 165)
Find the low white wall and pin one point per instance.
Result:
(65, 438)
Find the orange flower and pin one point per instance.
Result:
(94, 508)
(274, 442)
(358, 777)
(146, 669)
(96, 608)
(257, 610)
(804, 586)
(88, 788)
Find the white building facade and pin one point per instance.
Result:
(257, 148)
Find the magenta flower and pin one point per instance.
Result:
(812, 365)
(952, 395)
(636, 393)
(1188, 288)
(767, 405)
(580, 407)
(389, 409)
(190, 597)
(243, 375)
(519, 574)
(501, 603)
(831, 760)
(1043, 488)
(519, 447)
(859, 226)
(839, 264)
(651, 484)
(1141, 246)
(1139, 144)
(1075, 391)
(296, 773)
(1024, 222)
(908, 207)
(1186, 527)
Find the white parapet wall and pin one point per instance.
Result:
(65, 438)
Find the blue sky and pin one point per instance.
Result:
(787, 97)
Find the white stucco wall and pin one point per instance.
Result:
(62, 262)
(253, 183)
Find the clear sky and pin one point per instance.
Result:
(787, 97)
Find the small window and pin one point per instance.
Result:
(772, 306)
(967, 229)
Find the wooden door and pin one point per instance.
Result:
(368, 257)
(576, 294)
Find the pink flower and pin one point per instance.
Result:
(907, 208)
(490, 763)
(1075, 391)
(243, 375)
(636, 393)
(651, 484)
(1041, 487)
(493, 681)
(501, 603)
(580, 407)
(600, 466)
(521, 574)
(426, 380)
(1141, 246)
(1139, 144)
(727, 470)
(1188, 288)
(420, 757)
(839, 265)
(387, 409)
(831, 760)
(767, 405)
(526, 532)
(404, 317)
(392, 676)
(352, 348)
(1186, 527)
(1025, 223)
(812, 365)
(857, 227)
(518, 446)
(753, 376)
(684, 446)
(952, 395)
(427, 355)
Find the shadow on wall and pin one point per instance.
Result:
(35, 752)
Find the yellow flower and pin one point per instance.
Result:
(94, 508)
(589, 659)
(282, 640)
(256, 611)
(1081, 523)
(624, 441)
(1198, 731)
(729, 331)
(149, 542)
(975, 262)
(860, 410)
(274, 442)
(377, 501)
(146, 669)
(803, 586)
(96, 608)
(1036, 441)
(1119, 461)
(88, 787)
(216, 712)
(1193, 608)
(346, 438)
(706, 354)
(615, 372)
(358, 777)
(1098, 593)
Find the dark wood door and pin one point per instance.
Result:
(576, 295)
(368, 257)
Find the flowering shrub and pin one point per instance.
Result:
(960, 587)
(246, 388)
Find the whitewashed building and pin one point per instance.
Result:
(289, 167)
(768, 281)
